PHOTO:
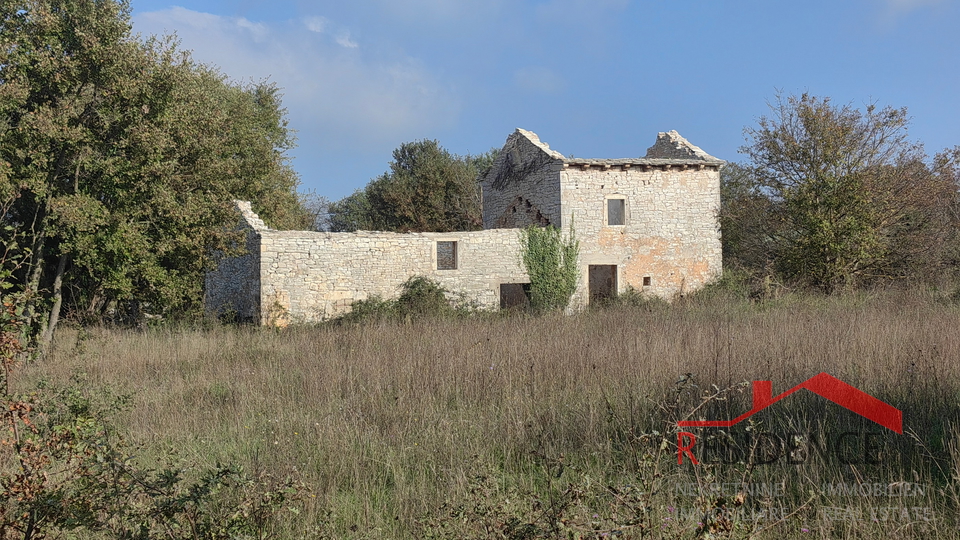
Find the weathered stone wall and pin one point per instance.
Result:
(233, 288)
(668, 244)
(670, 233)
(310, 276)
(671, 198)
(522, 187)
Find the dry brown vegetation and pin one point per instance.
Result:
(523, 427)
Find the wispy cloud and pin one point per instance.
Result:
(891, 14)
(336, 94)
(344, 40)
(315, 24)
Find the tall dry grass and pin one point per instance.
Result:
(387, 422)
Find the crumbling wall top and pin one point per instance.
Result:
(670, 149)
(249, 216)
(671, 145)
(535, 139)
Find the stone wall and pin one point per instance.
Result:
(233, 288)
(310, 276)
(670, 234)
(521, 188)
(668, 242)
(671, 198)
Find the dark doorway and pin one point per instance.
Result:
(603, 282)
(514, 295)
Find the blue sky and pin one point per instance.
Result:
(594, 78)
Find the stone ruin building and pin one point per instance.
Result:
(647, 223)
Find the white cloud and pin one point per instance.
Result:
(258, 31)
(335, 94)
(343, 39)
(315, 24)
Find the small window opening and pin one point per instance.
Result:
(646, 281)
(616, 211)
(447, 255)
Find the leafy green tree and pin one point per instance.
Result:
(748, 219)
(353, 213)
(119, 159)
(849, 198)
(426, 189)
(946, 169)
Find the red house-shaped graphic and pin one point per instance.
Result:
(825, 386)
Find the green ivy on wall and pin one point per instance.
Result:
(551, 263)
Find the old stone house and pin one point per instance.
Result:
(646, 223)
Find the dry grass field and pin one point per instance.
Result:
(559, 427)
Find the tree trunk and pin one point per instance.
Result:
(32, 290)
(47, 336)
(38, 232)
(96, 306)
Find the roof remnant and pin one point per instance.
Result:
(671, 145)
(671, 149)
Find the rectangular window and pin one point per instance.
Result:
(646, 281)
(616, 211)
(447, 255)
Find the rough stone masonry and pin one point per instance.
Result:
(647, 223)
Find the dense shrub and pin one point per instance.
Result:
(419, 297)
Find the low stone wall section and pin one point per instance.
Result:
(311, 276)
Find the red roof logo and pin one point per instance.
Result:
(825, 386)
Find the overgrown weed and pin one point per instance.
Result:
(393, 425)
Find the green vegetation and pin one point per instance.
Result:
(64, 468)
(551, 262)
(419, 297)
(835, 198)
(426, 189)
(118, 162)
(543, 427)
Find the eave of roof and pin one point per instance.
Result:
(642, 162)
